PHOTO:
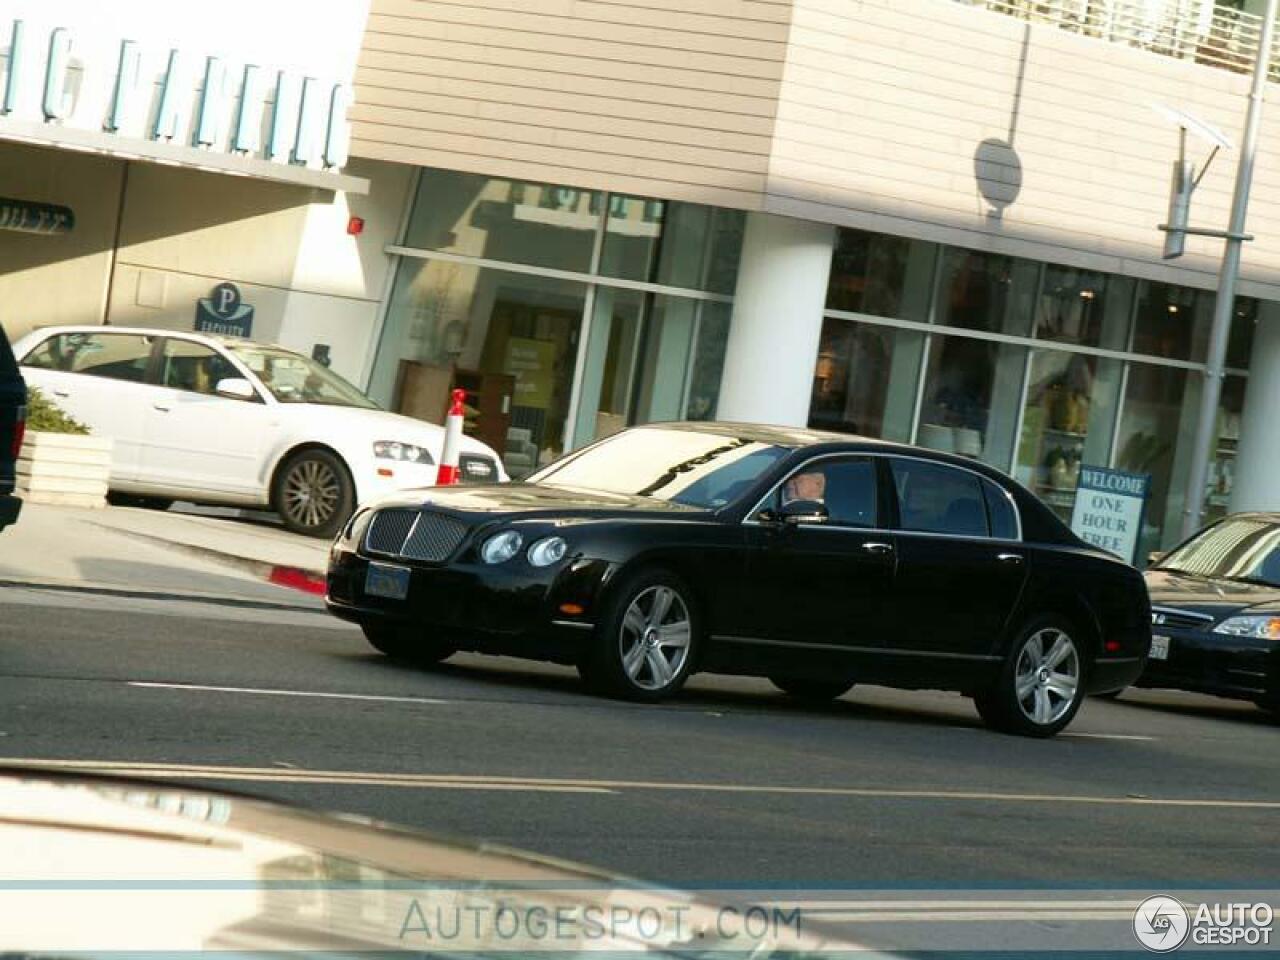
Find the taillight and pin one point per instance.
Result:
(19, 432)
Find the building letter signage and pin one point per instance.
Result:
(57, 100)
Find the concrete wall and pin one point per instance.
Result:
(867, 113)
(62, 279)
(286, 247)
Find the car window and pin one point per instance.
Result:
(1000, 512)
(1239, 548)
(846, 487)
(935, 498)
(193, 366)
(117, 356)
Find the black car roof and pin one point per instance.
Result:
(793, 437)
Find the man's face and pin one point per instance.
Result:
(806, 486)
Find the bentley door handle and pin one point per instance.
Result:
(1009, 557)
(879, 549)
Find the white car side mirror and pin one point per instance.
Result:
(235, 388)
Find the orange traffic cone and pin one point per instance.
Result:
(448, 472)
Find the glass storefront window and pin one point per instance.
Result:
(650, 358)
(971, 391)
(865, 379)
(882, 276)
(1243, 325)
(509, 339)
(673, 244)
(1085, 308)
(982, 291)
(1222, 465)
(536, 224)
(1067, 421)
(1157, 429)
(1172, 321)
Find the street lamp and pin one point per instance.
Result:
(1228, 276)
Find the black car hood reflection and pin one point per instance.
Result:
(536, 498)
(1212, 596)
(149, 866)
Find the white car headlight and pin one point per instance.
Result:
(406, 452)
(1253, 625)
(547, 551)
(501, 547)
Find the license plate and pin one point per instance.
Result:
(1159, 648)
(384, 580)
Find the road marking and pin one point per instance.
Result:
(479, 782)
(285, 693)
(971, 916)
(1066, 906)
(1107, 736)
(179, 771)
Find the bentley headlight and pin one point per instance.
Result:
(547, 551)
(1256, 625)
(501, 547)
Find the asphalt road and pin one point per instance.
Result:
(730, 785)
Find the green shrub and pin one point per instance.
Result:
(45, 416)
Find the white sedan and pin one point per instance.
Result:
(221, 420)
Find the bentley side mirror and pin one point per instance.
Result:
(235, 388)
(799, 512)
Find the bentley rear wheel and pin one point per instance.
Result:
(1041, 684)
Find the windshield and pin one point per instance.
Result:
(1241, 549)
(696, 469)
(293, 378)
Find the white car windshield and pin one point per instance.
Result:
(293, 378)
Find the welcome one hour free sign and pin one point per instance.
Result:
(1109, 509)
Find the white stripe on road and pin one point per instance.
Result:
(285, 693)
(1106, 736)
(475, 782)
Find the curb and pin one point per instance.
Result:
(138, 593)
(281, 575)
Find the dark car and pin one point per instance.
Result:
(13, 418)
(813, 559)
(1215, 611)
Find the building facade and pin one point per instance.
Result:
(932, 221)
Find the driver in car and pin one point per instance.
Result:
(808, 485)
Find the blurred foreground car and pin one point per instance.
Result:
(816, 560)
(93, 866)
(1215, 610)
(224, 420)
(13, 406)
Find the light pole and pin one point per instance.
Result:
(1207, 426)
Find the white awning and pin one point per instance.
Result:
(174, 154)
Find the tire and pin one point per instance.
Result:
(137, 500)
(814, 691)
(314, 494)
(1051, 678)
(646, 642)
(401, 643)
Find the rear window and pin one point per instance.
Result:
(935, 498)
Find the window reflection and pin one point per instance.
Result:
(971, 390)
(881, 275)
(865, 379)
(982, 291)
(1083, 307)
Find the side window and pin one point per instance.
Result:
(117, 356)
(846, 487)
(1001, 512)
(193, 366)
(934, 498)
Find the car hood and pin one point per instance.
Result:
(146, 866)
(382, 425)
(1211, 596)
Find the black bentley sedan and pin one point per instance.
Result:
(816, 560)
(1216, 612)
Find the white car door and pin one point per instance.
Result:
(99, 379)
(197, 441)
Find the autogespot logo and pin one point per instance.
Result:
(1161, 924)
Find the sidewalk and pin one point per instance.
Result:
(180, 552)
